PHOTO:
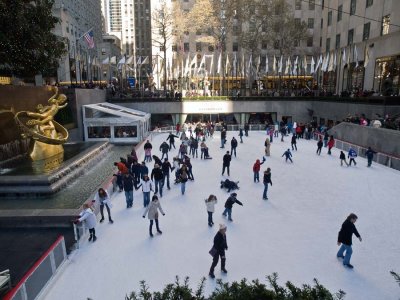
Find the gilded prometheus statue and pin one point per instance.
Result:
(48, 135)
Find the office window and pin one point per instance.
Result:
(366, 31)
(328, 44)
(330, 18)
(322, 4)
(350, 37)
(370, 2)
(235, 30)
(198, 46)
(297, 21)
(337, 43)
(320, 41)
(296, 42)
(310, 23)
(311, 4)
(339, 13)
(385, 25)
(310, 41)
(297, 4)
(186, 47)
(353, 7)
(235, 47)
(322, 23)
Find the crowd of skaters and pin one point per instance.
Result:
(131, 174)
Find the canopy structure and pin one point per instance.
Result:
(114, 123)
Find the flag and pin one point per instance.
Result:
(202, 64)
(318, 63)
(356, 55)
(113, 60)
(274, 65)
(330, 65)
(129, 61)
(88, 36)
(106, 61)
(366, 56)
(280, 65)
(296, 62)
(258, 63)
(334, 62)
(227, 64)
(212, 64)
(235, 64)
(243, 63)
(139, 61)
(344, 57)
(305, 64)
(187, 65)
(324, 67)
(219, 63)
(145, 60)
(312, 70)
(266, 63)
(122, 60)
(287, 66)
(250, 66)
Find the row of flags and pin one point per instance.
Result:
(299, 65)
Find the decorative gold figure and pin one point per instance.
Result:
(48, 135)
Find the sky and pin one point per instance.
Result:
(294, 233)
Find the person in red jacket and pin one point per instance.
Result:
(256, 169)
(121, 167)
(331, 143)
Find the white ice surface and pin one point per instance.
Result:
(294, 233)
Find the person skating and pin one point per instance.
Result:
(326, 138)
(228, 206)
(331, 143)
(370, 155)
(104, 199)
(352, 155)
(226, 162)
(171, 139)
(241, 135)
(256, 169)
(219, 247)
(343, 159)
(164, 148)
(234, 145)
(223, 138)
(267, 145)
(189, 166)
(128, 183)
(319, 145)
(183, 178)
(345, 239)
(266, 181)
(89, 218)
(147, 187)
(158, 177)
(194, 145)
(147, 151)
(166, 168)
(210, 203)
(246, 129)
(293, 142)
(287, 155)
(152, 214)
(143, 170)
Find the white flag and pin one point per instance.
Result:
(202, 64)
(219, 63)
(193, 62)
(212, 64)
(280, 65)
(129, 61)
(305, 64)
(243, 65)
(227, 65)
(250, 66)
(274, 65)
(356, 55)
(318, 64)
(334, 62)
(366, 56)
(145, 60)
(325, 63)
(139, 61)
(187, 65)
(121, 62)
(106, 61)
(330, 64)
(344, 57)
(287, 66)
(312, 71)
(258, 63)
(235, 65)
(295, 66)
(266, 63)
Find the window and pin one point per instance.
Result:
(198, 46)
(310, 23)
(322, 23)
(385, 25)
(330, 18)
(174, 48)
(235, 47)
(370, 2)
(103, 51)
(276, 45)
(235, 30)
(296, 43)
(297, 21)
(339, 13)
(337, 43)
(264, 45)
(311, 4)
(186, 47)
(367, 26)
(350, 36)
(310, 41)
(210, 48)
(320, 41)
(297, 5)
(328, 44)
(352, 7)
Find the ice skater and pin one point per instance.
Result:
(256, 169)
(343, 159)
(266, 181)
(331, 143)
(287, 155)
(293, 142)
(226, 162)
(234, 145)
(267, 145)
(218, 250)
(210, 203)
(152, 214)
(345, 239)
(352, 155)
(228, 206)
(89, 218)
(319, 145)
(370, 155)
(104, 199)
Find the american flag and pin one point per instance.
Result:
(89, 38)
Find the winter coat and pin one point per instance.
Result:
(287, 154)
(165, 167)
(232, 200)
(257, 165)
(227, 159)
(157, 174)
(127, 182)
(152, 210)
(331, 143)
(223, 134)
(144, 170)
(88, 217)
(294, 139)
(122, 168)
(370, 153)
(352, 154)
(136, 169)
(234, 143)
(342, 155)
(346, 233)
(267, 178)
(267, 143)
(320, 144)
(147, 185)
(211, 205)
(164, 147)
(220, 243)
(241, 132)
(148, 146)
(103, 200)
(172, 137)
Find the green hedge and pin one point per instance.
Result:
(243, 290)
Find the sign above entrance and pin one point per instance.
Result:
(207, 107)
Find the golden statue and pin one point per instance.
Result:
(48, 135)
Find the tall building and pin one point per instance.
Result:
(76, 18)
(368, 32)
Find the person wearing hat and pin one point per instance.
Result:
(152, 214)
(219, 247)
(228, 205)
(158, 177)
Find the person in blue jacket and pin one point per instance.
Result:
(370, 155)
(287, 155)
(352, 155)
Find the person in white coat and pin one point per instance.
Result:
(147, 187)
(104, 199)
(89, 218)
(210, 203)
(152, 214)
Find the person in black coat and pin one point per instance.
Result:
(226, 162)
(218, 249)
(370, 155)
(234, 145)
(287, 155)
(228, 205)
(293, 142)
(157, 177)
(246, 129)
(171, 139)
(319, 145)
(166, 167)
(345, 239)
(128, 183)
(164, 148)
(223, 138)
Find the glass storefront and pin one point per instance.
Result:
(386, 77)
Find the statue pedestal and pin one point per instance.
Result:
(44, 151)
